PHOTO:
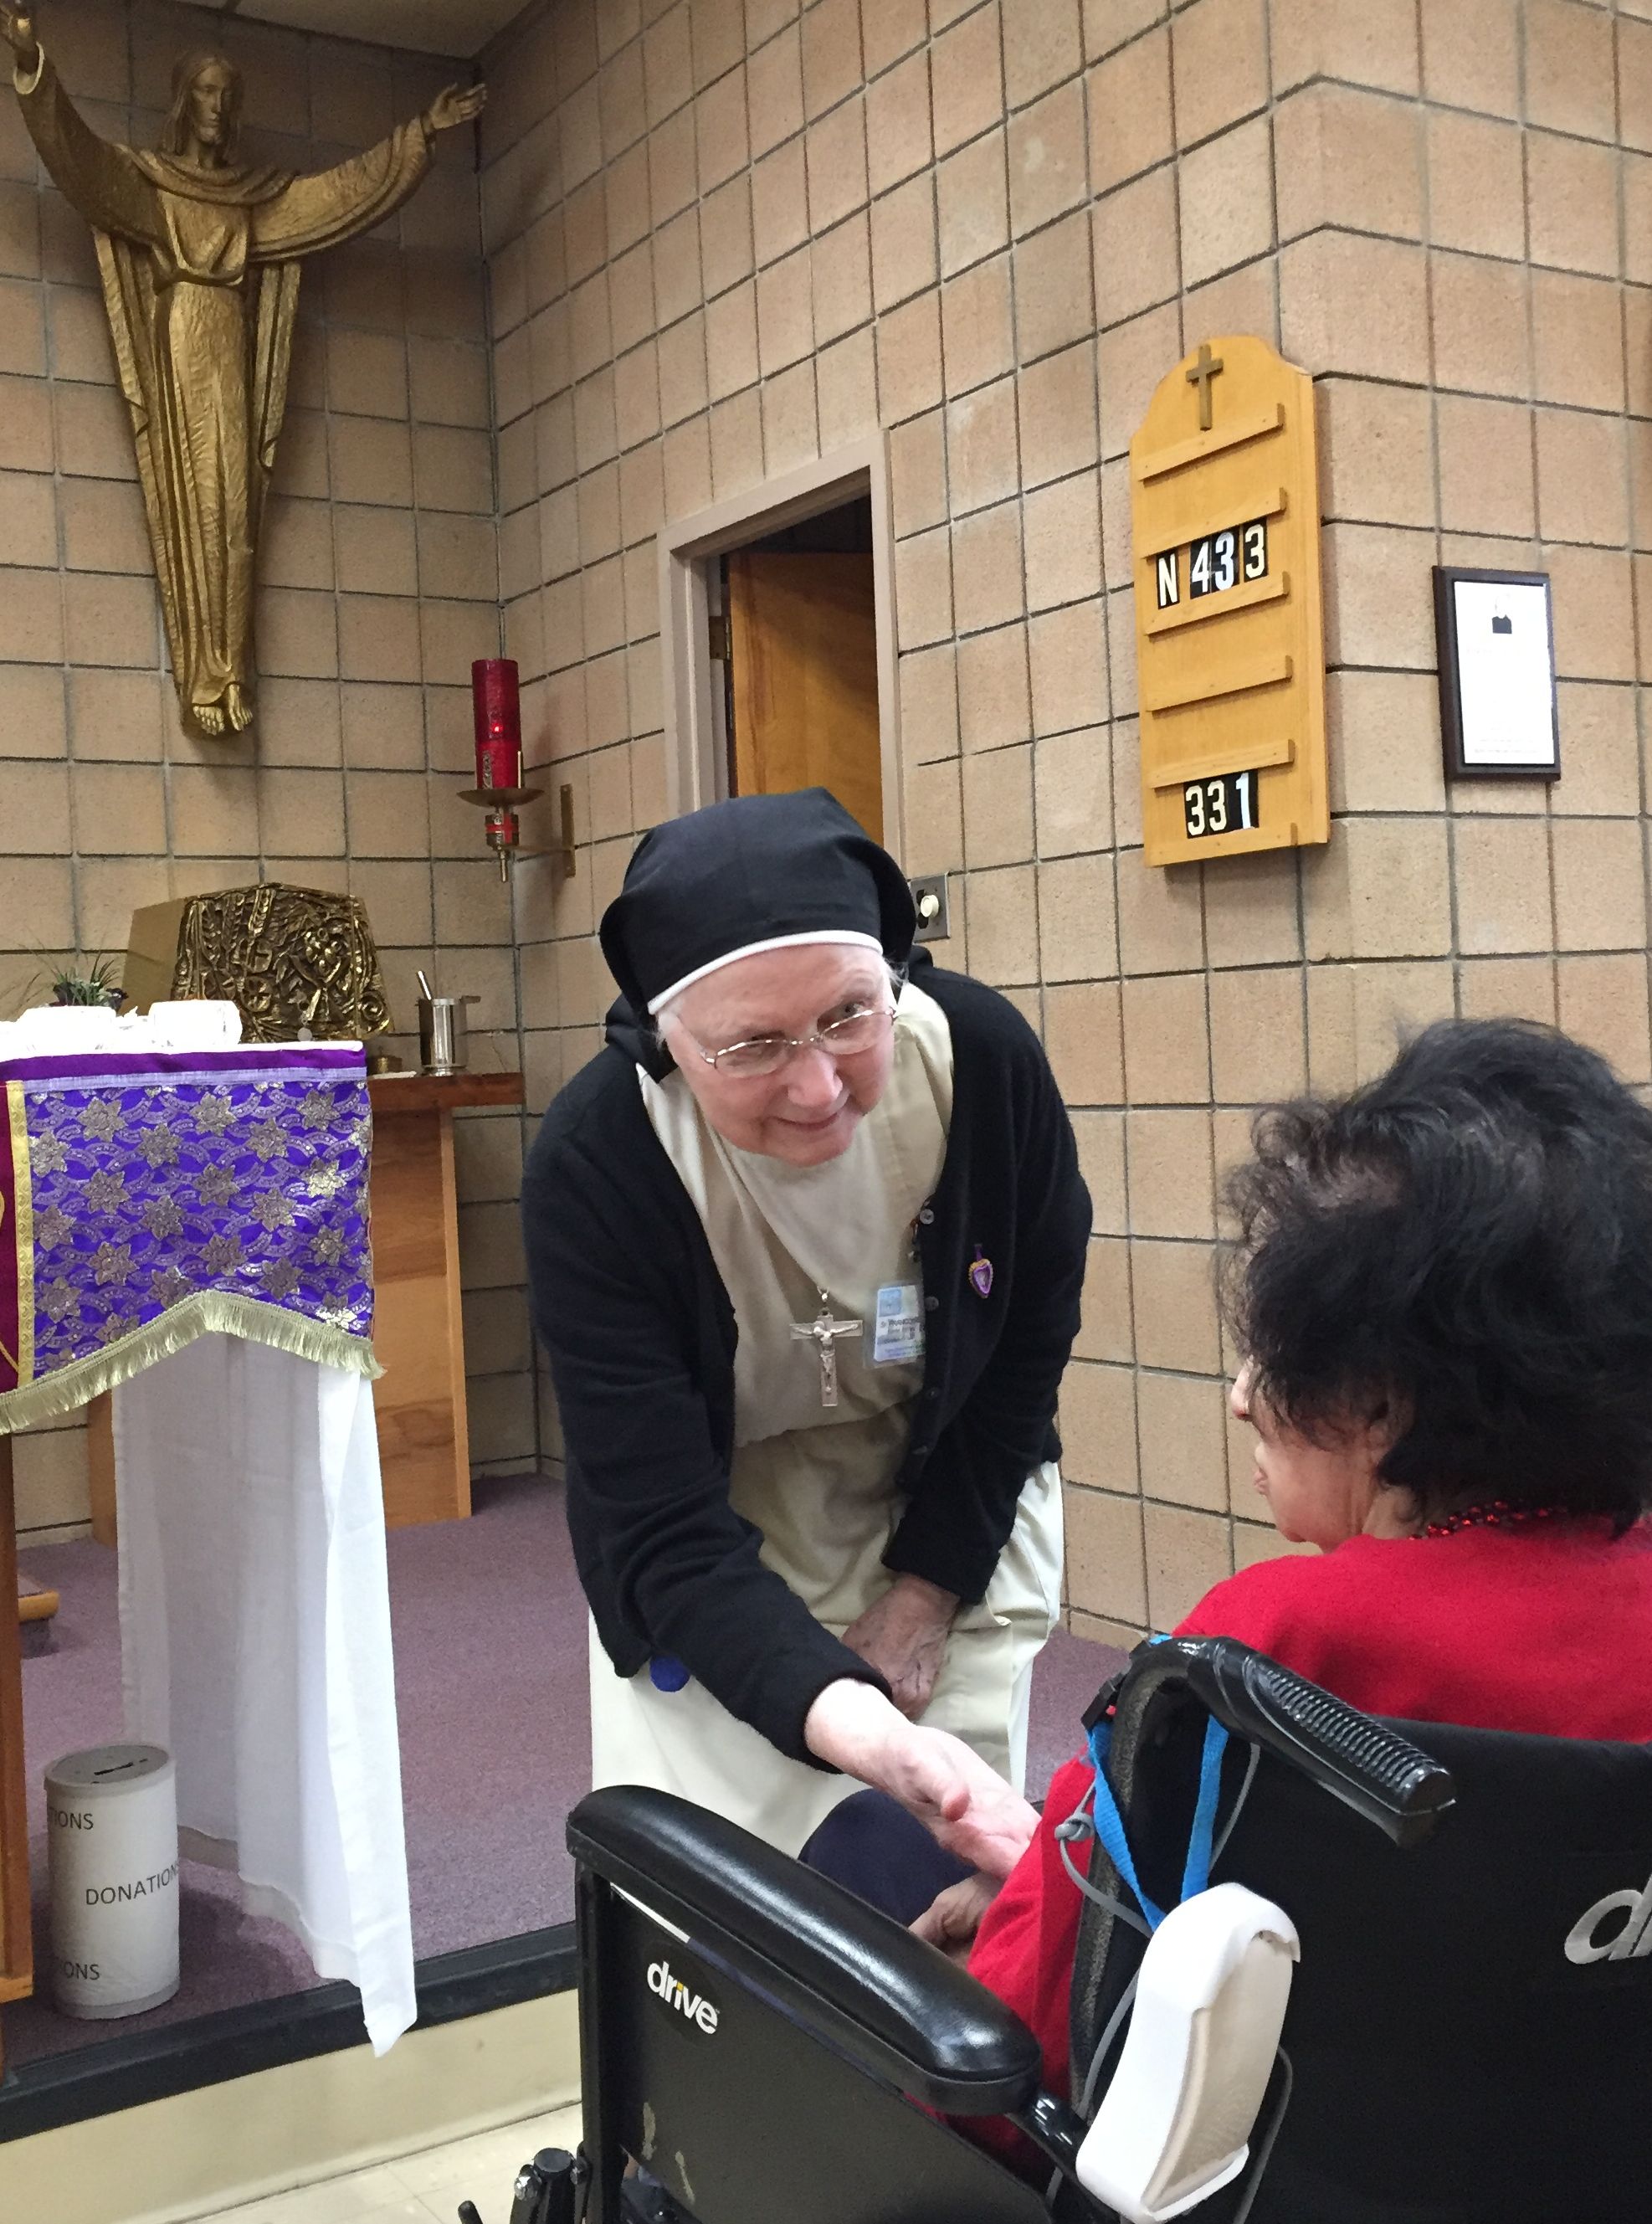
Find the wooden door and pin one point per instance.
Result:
(17, 1959)
(802, 644)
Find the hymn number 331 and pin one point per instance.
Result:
(1226, 805)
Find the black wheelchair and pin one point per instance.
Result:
(1467, 2038)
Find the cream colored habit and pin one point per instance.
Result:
(818, 1482)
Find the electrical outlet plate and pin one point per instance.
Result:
(934, 912)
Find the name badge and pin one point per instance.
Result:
(898, 1333)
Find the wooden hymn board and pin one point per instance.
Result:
(1229, 635)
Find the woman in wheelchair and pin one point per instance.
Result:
(1442, 1287)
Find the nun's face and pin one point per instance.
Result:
(807, 1112)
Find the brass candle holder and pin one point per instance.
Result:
(502, 827)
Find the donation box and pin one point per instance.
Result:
(1229, 632)
(112, 1816)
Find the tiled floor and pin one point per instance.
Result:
(419, 2189)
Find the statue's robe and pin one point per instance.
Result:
(200, 275)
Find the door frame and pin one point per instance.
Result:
(695, 770)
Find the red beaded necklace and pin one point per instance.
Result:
(1491, 1513)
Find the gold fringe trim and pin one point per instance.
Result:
(207, 1312)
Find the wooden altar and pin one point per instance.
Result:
(418, 1327)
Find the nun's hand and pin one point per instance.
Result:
(904, 1636)
(965, 1805)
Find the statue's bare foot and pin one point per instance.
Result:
(238, 705)
(209, 716)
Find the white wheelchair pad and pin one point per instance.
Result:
(1175, 2123)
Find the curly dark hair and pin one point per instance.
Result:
(1465, 1247)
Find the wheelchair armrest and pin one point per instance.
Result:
(1358, 1760)
(893, 2005)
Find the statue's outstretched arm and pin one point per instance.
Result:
(90, 173)
(455, 103)
(18, 32)
(331, 206)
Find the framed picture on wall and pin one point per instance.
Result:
(1499, 717)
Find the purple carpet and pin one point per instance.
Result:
(489, 1629)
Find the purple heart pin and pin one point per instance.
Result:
(980, 1275)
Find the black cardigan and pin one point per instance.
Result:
(640, 1333)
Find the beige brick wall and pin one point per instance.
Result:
(378, 584)
(725, 238)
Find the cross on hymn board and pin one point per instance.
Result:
(1200, 375)
(823, 1333)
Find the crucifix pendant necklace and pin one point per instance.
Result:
(823, 1332)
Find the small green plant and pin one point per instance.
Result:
(95, 985)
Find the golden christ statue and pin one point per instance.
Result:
(199, 257)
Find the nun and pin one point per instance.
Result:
(805, 1242)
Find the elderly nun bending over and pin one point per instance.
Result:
(806, 1241)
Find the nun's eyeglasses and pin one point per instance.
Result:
(766, 1054)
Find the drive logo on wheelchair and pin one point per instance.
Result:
(693, 2006)
(1631, 1942)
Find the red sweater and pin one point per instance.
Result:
(1545, 1630)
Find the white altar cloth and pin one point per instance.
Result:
(255, 1645)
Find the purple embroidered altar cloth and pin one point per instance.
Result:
(149, 1198)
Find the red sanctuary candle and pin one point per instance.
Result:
(499, 722)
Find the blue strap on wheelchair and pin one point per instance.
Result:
(1109, 1824)
(1195, 1873)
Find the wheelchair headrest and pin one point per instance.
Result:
(890, 2001)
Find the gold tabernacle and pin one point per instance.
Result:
(199, 256)
(290, 958)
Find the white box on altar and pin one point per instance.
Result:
(112, 1818)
